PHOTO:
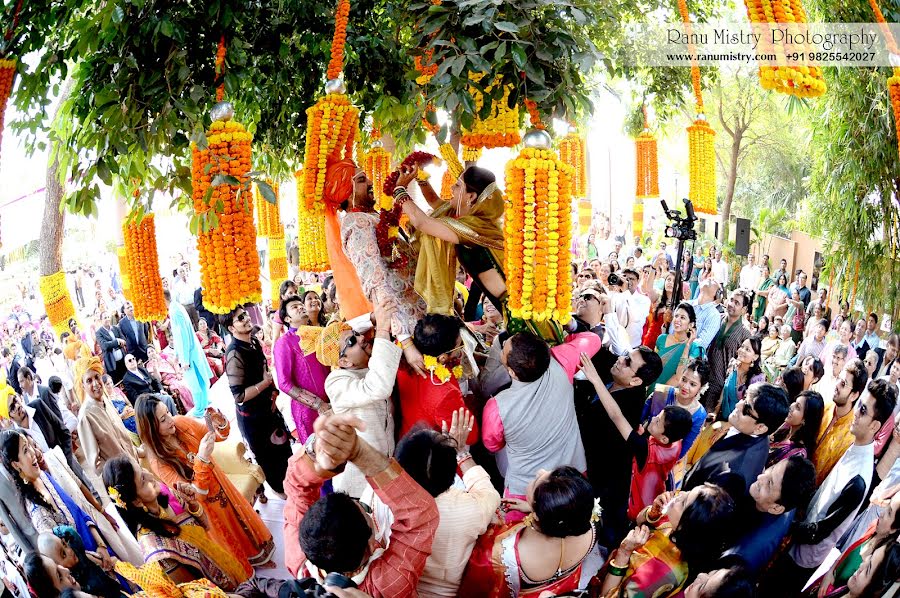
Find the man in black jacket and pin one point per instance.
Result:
(135, 334)
(608, 457)
(745, 448)
(112, 345)
(46, 429)
(32, 391)
(138, 381)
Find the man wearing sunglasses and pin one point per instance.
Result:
(745, 448)
(837, 500)
(368, 276)
(361, 386)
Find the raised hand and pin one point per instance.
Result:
(336, 439)
(590, 372)
(461, 425)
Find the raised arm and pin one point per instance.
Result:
(419, 219)
(609, 404)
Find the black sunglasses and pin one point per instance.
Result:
(351, 341)
(242, 316)
(747, 409)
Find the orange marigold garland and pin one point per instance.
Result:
(894, 80)
(57, 302)
(330, 136)
(802, 80)
(501, 128)
(142, 261)
(7, 78)
(123, 271)
(268, 216)
(538, 231)
(313, 252)
(229, 264)
(572, 152)
(377, 164)
(336, 64)
(278, 267)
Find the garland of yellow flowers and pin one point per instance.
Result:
(803, 81)
(142, 265)
(447, 181)
(312, 250)
(572, 152)
(894, 80)
(57, 302)
(123, 272)
(585, 216)
(377, 164)
(8, 68)
(229, 265)
(278, 266)
(647, 176)
(701, 138)
(501, 127)
(538, 232)
(471, 154)
(440, 371)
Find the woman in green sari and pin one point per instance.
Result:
(678, 348)
(465, 230)
(762, 292)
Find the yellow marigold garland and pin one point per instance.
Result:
(501, 128)
(572, 152)
(585, 216)
(702, 160)
(637, 219)
(647, 166)
(142, 261)
(447, 181)
(377, 164)
(123, 271)
(312, 249)
(229, 264)
(439, 370)
(278, 266)
(538, 231)
(57, 301)
(471, 154)
(454, 166)
(802, 80)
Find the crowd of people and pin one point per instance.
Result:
(682, 434)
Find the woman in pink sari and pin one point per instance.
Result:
(213, 347)
(552, 543)
(165, 365)
(299, 373)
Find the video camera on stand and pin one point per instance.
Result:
(681, 229)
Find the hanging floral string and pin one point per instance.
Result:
(572, 152)
(341, 18)
(57, 302)
(123, 272)
(701, 137)
(142, 265)
(800, 80)
(377, 164)
(501, 127)
(894, 80)
(229, 264)
(268, 215)
(278, 267)
(312, 249)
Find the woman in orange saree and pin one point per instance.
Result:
(178, 450)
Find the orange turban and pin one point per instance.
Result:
(338, 182)
(82, 366)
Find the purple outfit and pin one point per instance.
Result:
(296, 370)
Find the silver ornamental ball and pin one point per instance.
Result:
(222, 111)
(377, 143)
(335, 86)
(538, 139)
(894, 59)
(701, 116)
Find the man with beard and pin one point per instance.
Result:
(348, 188)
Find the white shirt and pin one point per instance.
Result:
(35, 430)
(639, 307)
(749, 277)
(720, 271)
(184, 291)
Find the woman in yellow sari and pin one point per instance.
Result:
(465, 230)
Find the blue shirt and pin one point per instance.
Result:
(709, 320)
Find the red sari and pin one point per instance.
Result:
(494, 569)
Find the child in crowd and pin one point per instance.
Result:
(656, 446)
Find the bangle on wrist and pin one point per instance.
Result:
(405, 343)
(616, 571)
(462, 456)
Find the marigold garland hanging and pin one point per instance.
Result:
(57, 302)
(647, 166)
(801, 80)
(501, 127)
(701, 138)
(278, 267)
(333, 122)
(312, 249)
(377, 164)
(7, 78)
(585, 216)
(454, 166)
(447, 181)
(123, 272)
(229, 264)
(572, 152)
(471, 154)
(538, 232)
(268, 215)
(894, 80)
(142, 261)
